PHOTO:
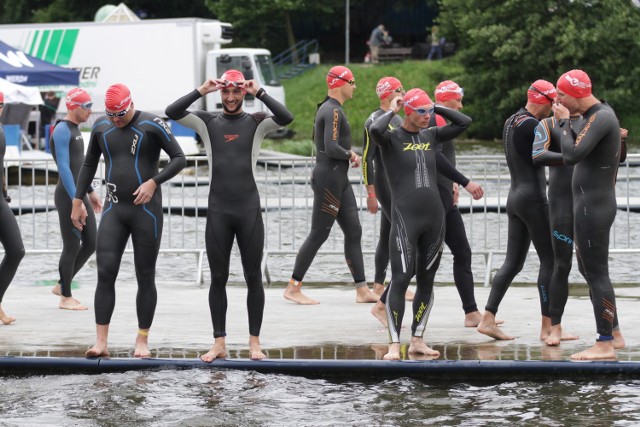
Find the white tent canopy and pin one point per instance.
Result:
(18, 94)
(121, 13)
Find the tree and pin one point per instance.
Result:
(260, 22)
(505, 46)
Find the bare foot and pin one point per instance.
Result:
(142, 344)
(600, 350)
(393, 353)
(408, 296)
(545, 328)
(618, 339)
(472, 319)
(255, 353)
(418, 346)
(378, 289)
(7, 320)
(380, 313)
(364, 295)
(489, 327)
(98, 350)
(218, 351)
(71, 304)
(556, 335)
(57, 290)
(294, 293)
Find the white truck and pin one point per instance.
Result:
(160, 60)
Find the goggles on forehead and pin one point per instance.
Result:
(399, 90)
(541, 93)
(119, 113)
(234, 84)
(83, 105)
(335, 76)
(458, 90)
(421, 111)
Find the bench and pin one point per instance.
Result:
(394, 53)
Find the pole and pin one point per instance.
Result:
(346, 31)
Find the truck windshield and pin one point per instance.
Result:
(267, 70)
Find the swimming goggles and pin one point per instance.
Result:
(119, 113)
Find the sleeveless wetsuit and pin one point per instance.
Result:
(417, 215)
(333, 196)
(9, 231)
(373, 173)
(233, 143)
(595, 152)
(67, 147)
(527, 210)
(456, 235)
(131, 157)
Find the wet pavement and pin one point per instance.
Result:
(337, 328)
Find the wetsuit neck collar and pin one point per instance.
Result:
(233, 116)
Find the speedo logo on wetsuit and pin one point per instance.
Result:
(566, 239)
(412, 146)
(134, 144)
(229, 138)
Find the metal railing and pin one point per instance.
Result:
(287, 199)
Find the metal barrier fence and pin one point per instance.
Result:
(287, 199)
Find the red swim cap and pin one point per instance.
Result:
(338, 76)
(386, 86)
(447, 90)
(1, 97)
(541, 92)
(415, 98)
(76, 97)
(232, 76)
(575, 83)
(117, 98)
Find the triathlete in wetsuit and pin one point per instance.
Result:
(527, 210)
(232, 140)
(375, 178)
(67, 147)
(130, 142)
(547, 152)
(333, 196)
(417, 215)
(595, 152)
(449, 94)
(9, 232)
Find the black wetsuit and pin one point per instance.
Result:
(595, 152)
(374, 174)
(417, 215)
(131, 157)
(9, 231)
(547, 152)
(527, 210)
(456, 235)
(67, 147)
(333, 196)
(233, 143)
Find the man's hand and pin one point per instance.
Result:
(251, 87)
(372, 203)
(475, 190)
(145, 192)
(396, 104)
(355, 160)
(78, 214)
(560, 111)
(211, 85)
(456, 194)
(95, 201)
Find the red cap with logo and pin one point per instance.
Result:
(575, 83)
(415, 98)
(448, 90)
(541, 92)
(117, 98)
(339, 76)
(232, 76)
(386, 86)
(76, 97)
